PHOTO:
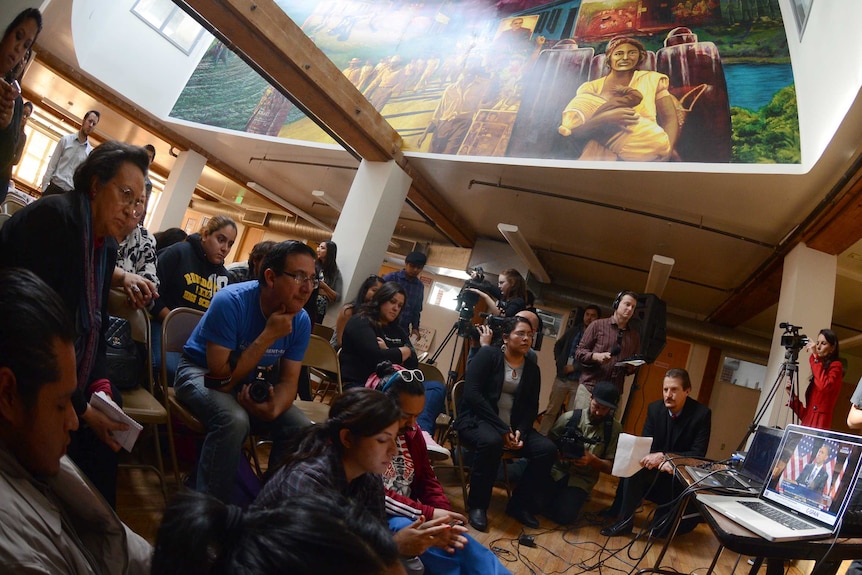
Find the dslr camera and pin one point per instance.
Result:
(259, 387)
(572, 443)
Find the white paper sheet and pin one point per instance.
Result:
(630, 450)
(106, 405)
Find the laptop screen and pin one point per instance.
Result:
(813, 471)
(760, 454)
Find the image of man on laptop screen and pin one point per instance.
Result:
(810, 474)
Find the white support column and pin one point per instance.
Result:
(367, 223)
(178, 192)
(807, 298)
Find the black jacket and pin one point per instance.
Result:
(46, 238)
(186, 277)
(687, 435)
(360, 353)
(484, 385)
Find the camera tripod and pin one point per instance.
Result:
(790, 371)
(457, 332)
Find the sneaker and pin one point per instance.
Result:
(436, 452)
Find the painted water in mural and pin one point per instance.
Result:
(618, 80)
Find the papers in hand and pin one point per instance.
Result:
(630, 450)
(102, 402)
(634, 361)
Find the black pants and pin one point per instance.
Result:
(52, 190)
(487, 446)
(97, 460)
(562, 503)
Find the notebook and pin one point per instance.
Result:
(807, 489)
(755, 466)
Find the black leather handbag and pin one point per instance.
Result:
(124, 357)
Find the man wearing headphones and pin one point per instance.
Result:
(604, 343)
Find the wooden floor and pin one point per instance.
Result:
(558, 551)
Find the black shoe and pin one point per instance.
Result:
(523, 516)
(623, 527)
(478, 519)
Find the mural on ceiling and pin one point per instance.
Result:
(683, 80)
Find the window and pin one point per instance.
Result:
(169, 21)
(742, 373)
(444, 295)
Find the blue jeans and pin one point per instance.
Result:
(435, 404)
(473, 559)
(228, 424)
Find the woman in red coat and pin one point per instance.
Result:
(824, 384)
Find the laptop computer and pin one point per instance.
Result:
(755, 467)
(807, 489)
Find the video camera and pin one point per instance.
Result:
(467, 301)
(791, 339)
(572, 443)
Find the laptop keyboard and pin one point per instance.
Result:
(768, 511)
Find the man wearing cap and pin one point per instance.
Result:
(573, 479)
(408, 278)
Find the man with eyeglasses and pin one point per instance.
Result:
(605, 343)
(71, 151)
(252, 332)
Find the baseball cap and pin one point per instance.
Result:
(416, 258)
(605, 393)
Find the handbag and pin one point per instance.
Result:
(123, 356)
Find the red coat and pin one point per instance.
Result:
(426, 491)
(821, 395)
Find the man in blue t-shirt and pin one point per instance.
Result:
(252, 331)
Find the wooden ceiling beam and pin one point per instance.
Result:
(836, 227)
(266, 38)
(133, 114)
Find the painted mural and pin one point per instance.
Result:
(616, 80)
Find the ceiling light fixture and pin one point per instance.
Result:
(519, 243)
(328, 200)
(659, 274)
(287, 205)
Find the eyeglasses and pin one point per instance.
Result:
(301, 279)
(522, 334)
(127, 198)
(409, 375)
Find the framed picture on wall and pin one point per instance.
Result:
(801, 10)
(552, 322)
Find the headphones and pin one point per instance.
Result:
(620, 297)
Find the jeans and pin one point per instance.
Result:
(228, 424)
(435, 404)
(473, 559)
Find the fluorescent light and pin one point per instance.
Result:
(328, 200)
(659, 274)
(525, 252)
(287, 205)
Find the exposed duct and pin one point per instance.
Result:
(277, 223)
(706, 333)
(297, 228)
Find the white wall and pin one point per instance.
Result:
(124, 52)
(826, 69)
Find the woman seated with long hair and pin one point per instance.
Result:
(374, 335)
(497, 411)
(363, 295)
(346, 456)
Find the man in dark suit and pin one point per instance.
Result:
(815, 475)
(680, 426)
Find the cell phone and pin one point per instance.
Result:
(16, 85)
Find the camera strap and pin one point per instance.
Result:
(575, 421)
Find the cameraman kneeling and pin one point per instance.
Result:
(587, 443)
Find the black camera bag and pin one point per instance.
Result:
(123, 356)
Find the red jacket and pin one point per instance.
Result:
(821, 395)
(426, 491)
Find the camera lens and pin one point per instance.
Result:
(258, 390)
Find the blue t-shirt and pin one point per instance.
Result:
(234, 320)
